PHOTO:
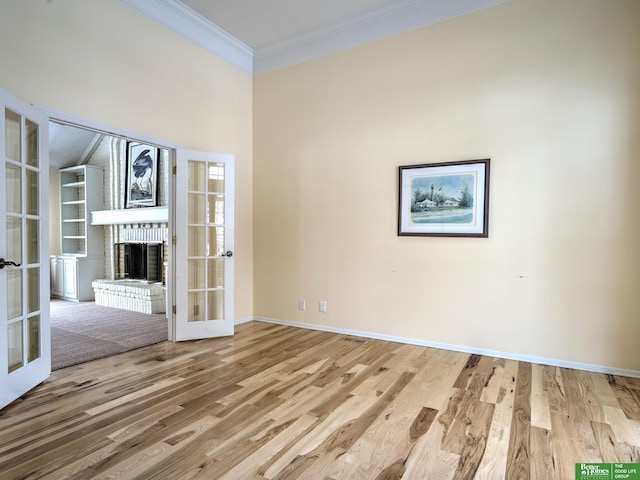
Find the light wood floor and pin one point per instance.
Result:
(280, 402)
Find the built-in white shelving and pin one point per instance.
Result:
(82, 245)
(81, 190)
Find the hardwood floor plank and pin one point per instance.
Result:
(133, 396)
(427, 460)
(455, 420)
(491, 392)
(393, 434)
(567, 450)
(541, 452)
(494, 461)
(580, 414)
(554, 386)
(282, 402)
(589, 396)
(315, 462)
(270, 447)
(475, 441)
(622, 428)
(389, 439)
(628, 398)
(518, 458)
(607, 443)
(298, 456)
(540, 409)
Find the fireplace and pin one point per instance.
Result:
(139, 278)
(139, 261)
(137, 240)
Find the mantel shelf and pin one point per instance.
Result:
(130, 216)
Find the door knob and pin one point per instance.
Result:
(7, 263)
(229, 253)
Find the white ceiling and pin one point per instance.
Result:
(261, 23)
(260, 36)
(69, 145)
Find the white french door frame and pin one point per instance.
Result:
(15, 382)
(73, 121)
(174, 152)
(202, 256)
(43, 116)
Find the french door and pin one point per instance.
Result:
(204, 245)
(202, 264)
(25, 336)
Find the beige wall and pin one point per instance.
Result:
(550, 91)
(102, 61)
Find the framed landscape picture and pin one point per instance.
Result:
(142, 175)
(444, 199)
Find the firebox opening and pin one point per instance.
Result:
(139, 261)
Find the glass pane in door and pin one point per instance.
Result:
(14, 190)
(216, 177)
(215, 278)
(33, 247)
(32, 157)
(32, 192)
(33, 290)
(12, 135)
(216, 209)
(196, 207)
(215, 304)
(197, 307)
(14, 336)
(14, 239)
(34, 338)
(216, 241)
(196, 274)
(196, 176)
(14, 294)
(196, 241)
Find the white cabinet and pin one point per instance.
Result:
(71, 276)
(56, 276)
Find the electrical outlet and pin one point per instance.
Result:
(323, 306)
(301, 304)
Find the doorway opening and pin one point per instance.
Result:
(109, 252)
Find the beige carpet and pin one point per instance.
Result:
(84, 331)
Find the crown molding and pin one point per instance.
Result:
(395, 18)
(184, 21)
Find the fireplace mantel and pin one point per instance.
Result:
(130, 216)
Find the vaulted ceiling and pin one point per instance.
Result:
(260, 36)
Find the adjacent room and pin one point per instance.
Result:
(357, 352)
(108, 250)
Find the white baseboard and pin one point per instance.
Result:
(457, 348)
(240, 321)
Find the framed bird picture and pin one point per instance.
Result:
(142, 175)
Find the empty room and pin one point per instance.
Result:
(397, 238)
